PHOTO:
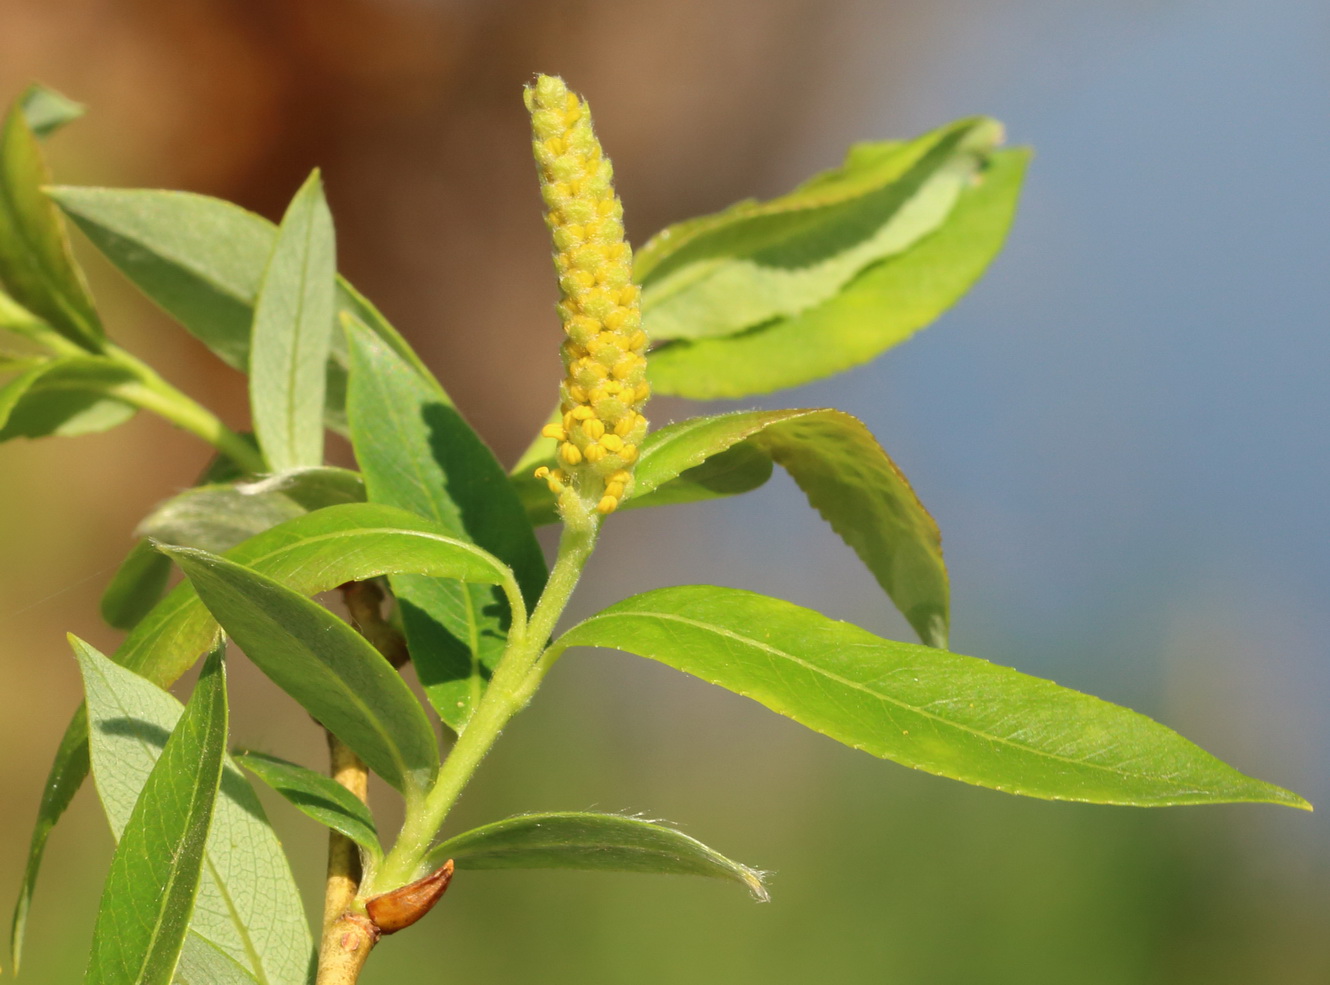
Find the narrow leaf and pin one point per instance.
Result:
(202, 260)
(329, 668)
(310, 554)
(955, 716)
(881, 307)
(62, 782)
(292, 334)
(248, 905)
(65, 397)
(318, 796)
(159, 859)
(607, 842)
(418, 453)
(760, 262)
(136, 586)
(36, 265)
(838, 464)
(218, 517)
(47, 110)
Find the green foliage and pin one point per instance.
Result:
(757, 298)
(248, 905)
(955, 716)
(323, 663)
(605, 842)
(159, 858)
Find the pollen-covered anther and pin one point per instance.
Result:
(611, 442)
(595, 429)
(570, 453)
(607, 505)
(594, 453)
(554, 431)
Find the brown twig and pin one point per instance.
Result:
(349, 935)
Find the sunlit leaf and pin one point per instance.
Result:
(955, 716)
(316, 795)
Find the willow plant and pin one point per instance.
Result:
(432, 545)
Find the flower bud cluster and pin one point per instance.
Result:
(601, 426)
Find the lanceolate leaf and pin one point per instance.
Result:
(36, 265)
(47, 110)
(838, 464)
(318, 796)
(955, 716)
(607, 842)
(66, 396)
(202, 260)
(310, 554)
(418, 453)
(758, 262)
(136, 586)
(248, 905)
(882, 306)
(159, 859)
(218, 517)
(292, 335)
(62, 782)
(335, 674)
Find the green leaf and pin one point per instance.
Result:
(848, 478)
(36, 265)
(47, 110)
(248, 904)
(418, 453)
(760, 262)
(955, 716)
(136, 586)
(218, 517)
(203, 963)
(309, 554)
(728, 472)
(159, 858)
(329, 668)
(881, 307)
(16, 318)
(292, 334)
(65, 397)
(838, 464)
(202, 260)
(607, 842)
(318, 796)
(62, 782)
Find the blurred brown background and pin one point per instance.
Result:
(412, 109)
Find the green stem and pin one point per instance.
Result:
(507, 693)
(150, 392)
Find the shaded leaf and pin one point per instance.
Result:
(329, 668)
(761, 261)
(955, 716)
(136, 586)
(62, 782)
(418, 453)
(218, 517)
(47, 110)
(248, 905)
(16, 318)
(203, 963)
(292, 334)
(608, 842)
(67, 396)
(36, 265)
(882, 306)
(316, 795)
(159, 858)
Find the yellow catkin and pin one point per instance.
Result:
(604, 353)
